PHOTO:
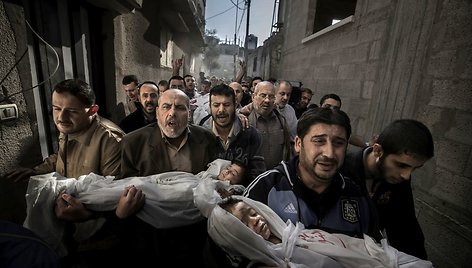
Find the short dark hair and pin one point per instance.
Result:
(147, 82)
(176, 77)
(224, 90)
(163, 83)
(77, 88)
(272, 80)
(407, 136)
(278, 83)
(307, 90)
(256, 78)
(331, 96)
(128, 79)
(228, 203)
(323, 115)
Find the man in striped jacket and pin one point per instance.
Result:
(309, 188)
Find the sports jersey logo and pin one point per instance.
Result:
(290, 208)
(350, 210)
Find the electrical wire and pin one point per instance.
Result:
(47, 79)
(241, 20)
(220, 13)
(236, 5)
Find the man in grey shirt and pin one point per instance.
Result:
(271, 125)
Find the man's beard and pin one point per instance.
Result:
(310, 167)
(229, 123)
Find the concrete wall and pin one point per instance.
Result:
(18, 138)
(402, 59)
(133, 53)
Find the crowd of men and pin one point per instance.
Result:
(294, 159)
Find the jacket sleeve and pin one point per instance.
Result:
(111, 156)
(259, 189)
(127, 167)
(403, 229)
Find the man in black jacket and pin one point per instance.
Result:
(145, 114)
(384, 171)
(309, 188)
(236, 143)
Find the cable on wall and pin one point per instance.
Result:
(44, 81)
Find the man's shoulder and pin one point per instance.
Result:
(141, 133)
(106, 125)
(290, 107)
(266, 181)
(133, 115)
(199, 130)
(130, 119)
(200, 133)
(251, 131)
(273, 176)
(351, 187)
(353, 163)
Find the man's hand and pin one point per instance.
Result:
(20, 174)
(176, 65)
(242, 65)
(244, 120)
(68, 208)
(242, 72)
(131, 200)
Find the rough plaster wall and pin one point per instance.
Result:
(445, 207)
(135, 54)
(17, 144)
(16, 135)
(404, 59)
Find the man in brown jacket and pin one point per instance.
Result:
(168, 145)
(87, 143)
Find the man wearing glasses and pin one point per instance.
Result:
(272, 126)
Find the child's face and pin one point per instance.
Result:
(251, 219)
(232, 173)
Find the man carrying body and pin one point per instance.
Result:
(309, 189)
(87, 143)
(168, 145)
(235, 143)
(148, 94)
(384, 170)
